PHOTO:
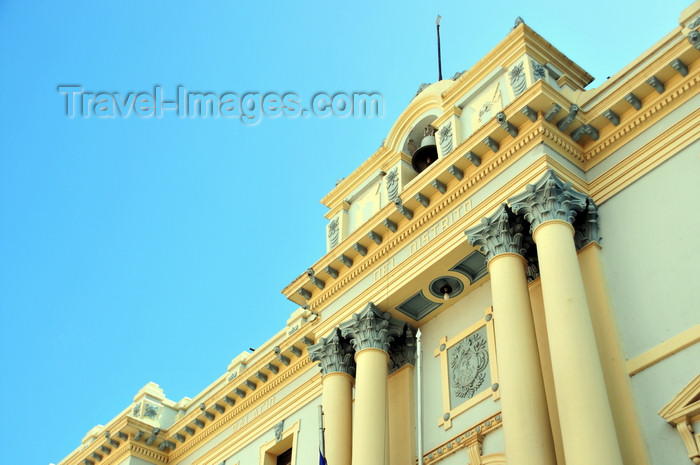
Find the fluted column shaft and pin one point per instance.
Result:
(588, 431)
(526, 426)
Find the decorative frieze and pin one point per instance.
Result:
(498, 234)
(548, 199)
(334, 353)
(372, 328)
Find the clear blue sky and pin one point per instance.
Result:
(154, 249)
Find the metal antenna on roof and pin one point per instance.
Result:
(437, 23)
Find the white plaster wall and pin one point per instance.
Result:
(369, 202)
(460, 316)
(654, 388)
(651, 252)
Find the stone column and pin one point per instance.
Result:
(526, 427)
(588, 431)
(371, 332)
(401, 407)
(337, 368)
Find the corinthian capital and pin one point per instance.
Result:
(548, 199)
(586, 228)
(372, 328)
(498, 234)
(334, 353)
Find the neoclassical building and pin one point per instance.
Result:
(509, 279)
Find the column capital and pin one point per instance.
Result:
(548, 199)
(334, 353)
(586, 228)
(372, 328)
(402, 350)
(498, 234)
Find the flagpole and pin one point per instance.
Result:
(419, 397)
(437, 23)
(322, 440)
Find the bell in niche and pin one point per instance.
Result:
(427, 152)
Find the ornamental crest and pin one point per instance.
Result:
(517, 79)
(333, 232)
(446, 138)
(392, 184)
(151, 411)
(537, 71)
(468, 362)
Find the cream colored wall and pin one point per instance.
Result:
(205, 447)
(367, 203)
(654, 388)
(651, 252)
(306, 443)
(460, 316)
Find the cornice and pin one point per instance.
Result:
(354, 179)
(520, 40)
(635, 73)
(307, 392)
(676, 138)
(488, 168)
(229, 417)
(148, 454)
(463, 439)
(660, 106)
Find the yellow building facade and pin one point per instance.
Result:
(509, 279)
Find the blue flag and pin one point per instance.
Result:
(322, 460)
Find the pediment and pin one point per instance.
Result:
(685, 405)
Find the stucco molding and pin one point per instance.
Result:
(334, 353)
(250, 402)
(498, 234)
(468, 185)
(464, 439)
(548, 199)
(372, 328)
(681, 412)
(656, 109)
(402, 351)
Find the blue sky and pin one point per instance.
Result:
(154, 249)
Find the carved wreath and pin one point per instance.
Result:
(468, 362)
